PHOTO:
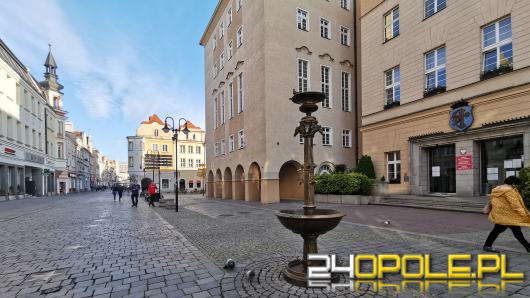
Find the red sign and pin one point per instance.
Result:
(464, 162)
(9, 151)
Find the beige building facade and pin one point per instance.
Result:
(445, 93)
(256, 54)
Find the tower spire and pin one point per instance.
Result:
(50, 74)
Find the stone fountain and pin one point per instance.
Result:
(310, 222)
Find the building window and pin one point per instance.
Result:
(182, 162)
(222, 107)
(325, 82)
(154, 147)
(433, 6)
(230, 50)
(435, 72)
(197, 163)
(345, 91)
(302, 20)
(182, 149)
(327, 139)
(193, 137)
(231, 146)
(392, 24)
(156, 132)
(230, 101)
(393, 167)
(190, 163)
(215, 119)
(165, 183)
(221, 30)
(497, 49)
(239, 37)
(239, 4)
(392, 87)
(344, 36)
(190, 149)
(223, 147)
(216, 149)
(241, 135)
(303, 75)
(300, 139)
(229, 18)
(240, 94)
(324, 28)
(346, 138)
(131, 162)
(164, 148)
(345, 4)
(197, 149)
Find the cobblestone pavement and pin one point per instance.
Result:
(88, 245)
(250, 234)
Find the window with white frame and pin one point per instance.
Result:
(222, 107)
(344, 36)
(230, 101)
(303, 75)
(241, 137)
(231, 146)
(215, 119)
(197, 163)
(229, 17)
(156, 132)
(240, 94)
(435, 69)
(190, 163)
(346, 138)
(392, 86)
(240, 36)
(239, 4)
(182, 149)
(216, 149)
(392, 24)
(345, 91)
(190, 149)
(393, 167)
(324, 28)
(182, 162)
(130, 142)
(221, 61)
(327, 138)
(497, 51)
(345, 4)
(154, 147)
(302, 20)
(223, 146)
(164, 147)
(433, 6)
(197, 149)
(230, 50)
(325, 83)
(131, 161)
(221, 30)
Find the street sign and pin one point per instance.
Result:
(155, 161)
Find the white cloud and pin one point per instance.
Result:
(106, 78)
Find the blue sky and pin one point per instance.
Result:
(119, 60)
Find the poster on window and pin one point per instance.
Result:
(493, 174)
(435, 171)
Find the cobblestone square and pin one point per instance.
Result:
(87, 245)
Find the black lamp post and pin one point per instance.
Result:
(176, 131)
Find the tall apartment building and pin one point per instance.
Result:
(32, 160)
(445, 93)
(151, 140)
(256, 54)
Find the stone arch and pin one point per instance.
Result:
(290, 178)
(227, 184)
(325, 168)
(210, 185)
(239, 183)
(218, 184)
(254, 183)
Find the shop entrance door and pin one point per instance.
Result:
(500, 159)
(442, 169)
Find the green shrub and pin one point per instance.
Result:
(343, 184)
(366, 166)
(524, 174)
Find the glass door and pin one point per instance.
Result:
(500, 158)
(442, 169)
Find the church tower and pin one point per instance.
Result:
(50, 85)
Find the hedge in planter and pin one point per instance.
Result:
(343, 184)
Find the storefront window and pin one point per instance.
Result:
(501, 158)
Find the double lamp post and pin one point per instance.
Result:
(176, 131)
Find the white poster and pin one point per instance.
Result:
(508, 164)
(435, 171)
(510, 173)
(493, 170)
(517, 163)
(493, 177)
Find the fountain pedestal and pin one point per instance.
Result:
(310, 222)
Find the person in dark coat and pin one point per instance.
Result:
(120, 192)
(114, 191)
(135, 192)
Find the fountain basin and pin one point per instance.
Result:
(309, 97)
(311, 221)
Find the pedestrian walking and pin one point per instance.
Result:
(151, 189)
(135, 192)
(506, 209)
(114, 191)
(120, 192)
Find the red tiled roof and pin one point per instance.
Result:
(190, 126)
(152, 119)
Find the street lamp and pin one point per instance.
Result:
(176, 131)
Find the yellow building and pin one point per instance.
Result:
(151, 144)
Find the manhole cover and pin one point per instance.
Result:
(51, 290)
(225, 215)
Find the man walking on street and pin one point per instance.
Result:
(135, 191)
(151, 189)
